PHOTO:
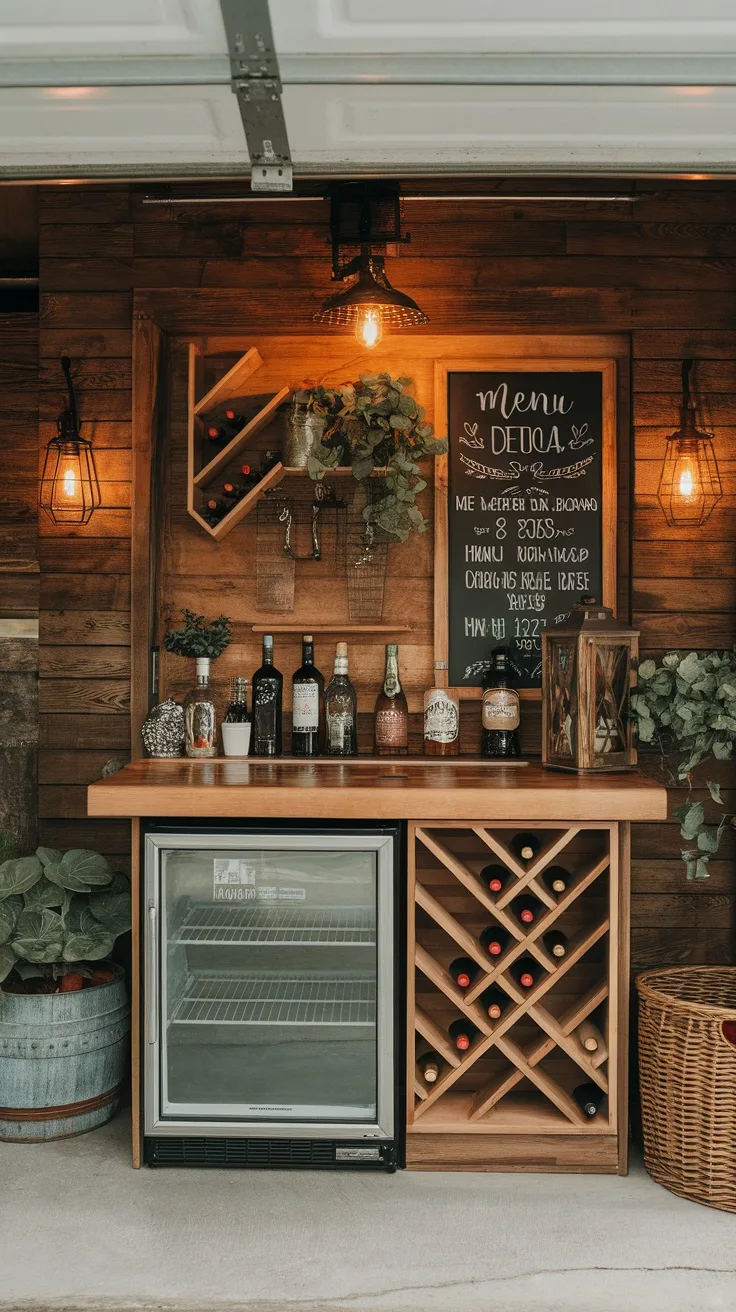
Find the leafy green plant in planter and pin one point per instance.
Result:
(198, 638)
(59, 911)
(689, 703)
(375, 424)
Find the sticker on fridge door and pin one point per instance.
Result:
(270, 893)
(233, 880)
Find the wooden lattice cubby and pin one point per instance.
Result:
(506, 1103)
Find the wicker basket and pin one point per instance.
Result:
(688, 1081)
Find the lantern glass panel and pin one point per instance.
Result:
(611, 699)
(563, 699)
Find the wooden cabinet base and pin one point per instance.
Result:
(571, 1153)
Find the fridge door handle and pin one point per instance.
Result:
(152, 972)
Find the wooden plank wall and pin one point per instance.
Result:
(660, 269)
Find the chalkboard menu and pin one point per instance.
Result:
(525, 521)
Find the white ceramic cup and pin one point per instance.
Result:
(236, 739)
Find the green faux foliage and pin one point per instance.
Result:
(60, 907)
(689, 703)
(375, 424)
(198, 638)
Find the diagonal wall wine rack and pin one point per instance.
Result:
(510, 1095)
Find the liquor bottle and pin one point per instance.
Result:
(556, 879)
(526, 972)
(494, 940)
(391, 717)
(588, 1098)
(237, 708)
(496, 878)
(525, 846)
(214, 510)
(307, 689)
(441, 723)
(463, 970)
(499, 709)
(462, 1033)
(200, 724)
(555, 942)
(430, 1064)
(341, 709)
(527, 908)
(268, 688)
(494, 1002)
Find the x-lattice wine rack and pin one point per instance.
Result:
(518, 1076)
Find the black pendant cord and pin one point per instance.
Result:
(686, 399)
(68, 420)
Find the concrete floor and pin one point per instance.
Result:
(80, 1230)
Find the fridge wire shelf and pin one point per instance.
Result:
(295, 999)
(344, 926)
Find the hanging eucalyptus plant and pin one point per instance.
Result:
(57, 908)
(689, 703)
(376, 425)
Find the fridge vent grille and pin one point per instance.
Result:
(240, 1152)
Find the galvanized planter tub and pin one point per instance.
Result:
(62, 1060)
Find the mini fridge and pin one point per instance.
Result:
(271, 995)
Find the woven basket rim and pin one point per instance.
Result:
(647, 990)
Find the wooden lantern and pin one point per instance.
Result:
(588, 665)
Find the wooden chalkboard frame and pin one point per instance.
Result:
(514, 359)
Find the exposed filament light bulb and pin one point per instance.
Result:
(686, 484)
(70, 484)
(369, 325)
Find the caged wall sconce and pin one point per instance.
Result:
(690, 483)
(70, 490)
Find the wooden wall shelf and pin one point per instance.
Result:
(229, 386)
(517, 1077)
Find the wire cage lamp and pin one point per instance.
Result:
(690, 483)
(70, 489)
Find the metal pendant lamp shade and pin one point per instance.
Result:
(70, 489)
(690, 483)
(371, 289)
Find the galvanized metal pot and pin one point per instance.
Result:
(62, 1060)
(303, 430)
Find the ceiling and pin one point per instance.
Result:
(141, 88)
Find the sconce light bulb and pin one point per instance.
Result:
(687, 484)
(70, 484)
(369, 325)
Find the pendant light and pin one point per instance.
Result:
(70, 491)
(690, 483)
(367, 215)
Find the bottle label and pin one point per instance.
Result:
(501, 709)
(441, 718)
(305, 710)
(391, 727)
(340, 728)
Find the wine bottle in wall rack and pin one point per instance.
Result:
(494, 940)
(590, 1037)
(214, 509)
(556, 943)
(494, 1002)
(525, 847)
(556, 879)
(527, 972)
(499, 709)
(463, 970)
(462, 1033)
(341, 709)
(307, 704)
(268, 686)
(430, 1064)
(588, 1098)
(391, 719)
(527, 908)
(496, 878)
(217, 437)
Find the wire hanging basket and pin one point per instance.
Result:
(366, 557)
(297, 521)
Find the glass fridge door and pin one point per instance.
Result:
(273, 960)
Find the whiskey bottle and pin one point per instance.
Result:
(441, 723)
(237, 709)
(499, 710)
(268, 686)
(307, 689)
(341, 709)
(391, 720)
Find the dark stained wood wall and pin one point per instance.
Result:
(662, 269)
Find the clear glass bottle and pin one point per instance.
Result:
(341, 709)
(307, 715)
(391, 718)
(441, 723)
(200, 723)
(268, 691)
(237, 708)
(500, 710)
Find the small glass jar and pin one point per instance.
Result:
(200, 722)
(441, 723)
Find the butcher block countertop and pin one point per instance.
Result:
(369, 789)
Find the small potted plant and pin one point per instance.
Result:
(64, 1014)
(204, 642)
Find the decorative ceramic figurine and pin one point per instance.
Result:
(163, 730)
